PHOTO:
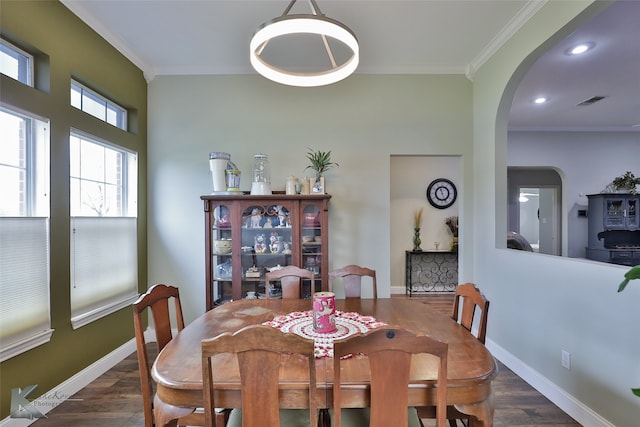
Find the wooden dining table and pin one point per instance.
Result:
(178, 368)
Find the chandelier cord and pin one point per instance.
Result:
(316, 11)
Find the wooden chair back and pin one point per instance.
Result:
(351, 276)
(389, 351)
(290, 280)
(465, 301)
(468, 297)
(156, 299)
(259, 350)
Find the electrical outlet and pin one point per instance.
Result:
(566, 359)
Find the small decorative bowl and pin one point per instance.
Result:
(222, 247)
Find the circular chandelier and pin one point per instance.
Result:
(315, 23)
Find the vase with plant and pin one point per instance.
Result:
(320, 162)
(452, 224)
(626, 183)
(417, 222)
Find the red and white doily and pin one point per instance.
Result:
(347, 324)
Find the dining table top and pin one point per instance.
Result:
(471, 367)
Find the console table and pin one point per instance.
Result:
(430, 271)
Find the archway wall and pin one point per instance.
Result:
(540, 304)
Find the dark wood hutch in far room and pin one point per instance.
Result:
(245, 235)
(614, 228)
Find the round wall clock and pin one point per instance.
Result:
(441, 193)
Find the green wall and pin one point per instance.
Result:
(67, 48)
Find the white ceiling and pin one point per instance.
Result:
(171, 37)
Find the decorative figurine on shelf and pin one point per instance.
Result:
(417, 220)
(282, 217)
(286, 248)
(260, 245)
(256, 218)
(274, 246)
(268, 224)
(252, 272)
(221, 217)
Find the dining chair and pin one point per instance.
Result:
(290, 278)
(156, 299)
(466, 299)
(261, 352)
(389, 351)
(351, 276)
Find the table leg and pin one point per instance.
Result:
(166, 415)
(481, 414)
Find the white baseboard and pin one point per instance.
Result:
(397, 290)
(71, 386)
(565, 401)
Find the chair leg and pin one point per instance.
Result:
(453, 423)
(324, 419)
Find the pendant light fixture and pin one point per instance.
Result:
(296, 24)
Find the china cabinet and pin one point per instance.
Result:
(614, 228)
(247, 235)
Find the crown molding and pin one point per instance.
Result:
(518, 21)
(78, 9)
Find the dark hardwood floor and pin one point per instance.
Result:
(114, 399)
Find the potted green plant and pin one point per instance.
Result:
(632, 274)
(626, 182)
(320, 163)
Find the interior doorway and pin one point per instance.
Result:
(539, 218)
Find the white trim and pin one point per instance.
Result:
(79, 9)
(512, 27)
(25, 344)
(86, 318)
(395, 290)
(565, 401)
(74, 384)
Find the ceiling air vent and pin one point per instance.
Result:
(591, 100)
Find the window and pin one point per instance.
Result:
(97, 105)
(16, 63)
(24, 233)
(104, 261)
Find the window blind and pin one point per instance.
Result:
(25, 320)
(104, 266)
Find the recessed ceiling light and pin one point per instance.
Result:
(540, 100)
(580, 48)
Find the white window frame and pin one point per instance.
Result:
(9, 50)
(25, 318)
(103, 256)
(88, 100)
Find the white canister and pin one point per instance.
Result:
(290, 186)
(218, 165)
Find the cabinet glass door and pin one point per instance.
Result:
(614, 213)
(621, 213)
(266, 245)
(312, 238)
(221, 252)
(632, 213)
